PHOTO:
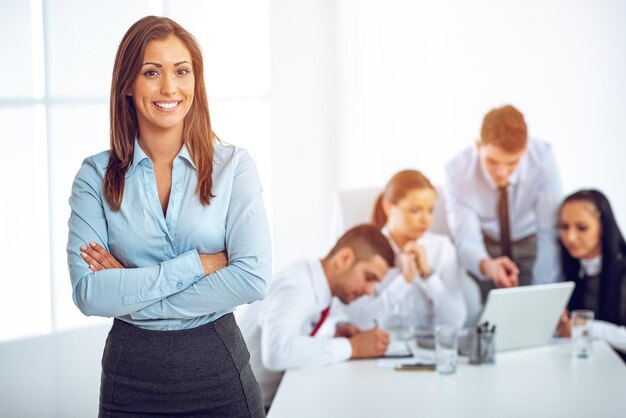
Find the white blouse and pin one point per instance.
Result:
(435, 300)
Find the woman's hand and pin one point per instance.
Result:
(213, 262)
(408, 266)
(422, 261)
(98, 258)
(415, 255)
(564, 328)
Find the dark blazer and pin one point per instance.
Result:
(608, 302)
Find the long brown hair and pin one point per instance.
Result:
(197, 133)
(397, 188)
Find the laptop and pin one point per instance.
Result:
(525, 316)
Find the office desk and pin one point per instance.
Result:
(537, 382)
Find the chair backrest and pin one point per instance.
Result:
(353, 207)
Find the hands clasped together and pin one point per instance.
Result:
(413, 260)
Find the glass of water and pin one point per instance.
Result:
(400, 319)
(446, 344)
(582, 320)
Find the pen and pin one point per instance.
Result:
(416, 366)
(375, 322)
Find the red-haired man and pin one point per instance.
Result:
(502, 197)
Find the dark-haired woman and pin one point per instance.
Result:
(594, 257)
(168, 234)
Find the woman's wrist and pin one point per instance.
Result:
(425, 274)
(213, 262)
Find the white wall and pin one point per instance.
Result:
(364, 88)
(54, 113)
(302, 127)
(417, 77)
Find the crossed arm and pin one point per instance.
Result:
(198, 284)
(100, 259)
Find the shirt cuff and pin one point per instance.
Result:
(609, 332)
(176, 274)
(433, 286)
(474, 264)
(342, 348)
(186, 268)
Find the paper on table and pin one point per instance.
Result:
(398, 349)
(400, 352)
(392, 363)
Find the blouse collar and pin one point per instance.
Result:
(591, 267)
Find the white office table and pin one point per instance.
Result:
(537, 382)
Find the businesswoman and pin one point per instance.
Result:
(167, 235)
(426, 281)
(593, 254)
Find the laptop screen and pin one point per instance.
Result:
(525, 316)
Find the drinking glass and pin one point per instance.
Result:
(400, 321)
(582, 320)
(446, 345)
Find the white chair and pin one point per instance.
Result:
(352, 207)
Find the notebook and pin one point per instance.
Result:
(525, 316)
(398, 349)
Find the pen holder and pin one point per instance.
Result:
(483, 346)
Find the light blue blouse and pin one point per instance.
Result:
(163, 286)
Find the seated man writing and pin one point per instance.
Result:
(282, 331)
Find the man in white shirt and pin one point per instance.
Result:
(502, 198)
(424, 301)
(282, 331)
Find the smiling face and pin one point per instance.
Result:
(412, 215)
(580, 229)
(500, 164)
(163, 90)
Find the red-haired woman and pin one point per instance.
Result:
(427, 275)
(168, 234)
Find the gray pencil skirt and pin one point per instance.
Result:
(199, 372)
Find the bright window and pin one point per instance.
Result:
(54, 113)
